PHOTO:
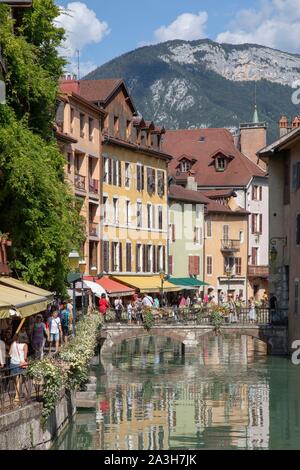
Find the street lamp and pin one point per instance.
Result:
(74, 263)
(82, 266)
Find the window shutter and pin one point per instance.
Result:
(144, 258)
(153, 181)
(157, 259)
(298, 230)
(195, 235)
(120, 258)
(154, 259)
(106, 256)
(253, 193)
(120, 173)
(196, 265)
(260, 193)
(142, 182)
(137, 259)
(191, 265)
(128, 257)
(253, 223)
(163, 183)
(109, 171)
(260, 223)
(170, 265)
(173, 233)
(164, 258)
(294, 176)
(112, 256)
(254, 256)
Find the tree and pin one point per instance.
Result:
(37, 206)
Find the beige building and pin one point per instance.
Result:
(283, 161)
(78, 132)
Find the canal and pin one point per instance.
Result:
(231, 395)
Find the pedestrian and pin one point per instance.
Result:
(147, 301)
(2, 353)
(188, 302)
(273, 304)
(156, 302)
(221, 298)
(38, 336)
(118, 309)
(54, 330)
(103, 305)
(252, 312)
(205, 299)
(232, 310)
(129, 312)
(139, 310)
(70, 306)
(18, 363)
(182, 302)
(65, 323)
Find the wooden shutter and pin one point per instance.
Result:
(260, 223)
(173, 233)
(260, 193)
(196, 265)
(128, 257)
(153, 181)
(253, 193)
(144, 258)
(253, 223)
(120, 258)
(106, 256)
(164, 258)
(113, 256)
(298, 230)
(120, 173)
(137, 258)
(162, 183)
(157, 259)
(109, 171)
(170, 265)
(191, 265)
(143, 179)
(294, 173)
(238, 266)
(154, 259)
(254, 260)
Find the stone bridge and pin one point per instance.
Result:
(189, 336)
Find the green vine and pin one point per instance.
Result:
(148, 319)
(217, 319)
(69, 370)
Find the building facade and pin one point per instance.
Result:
(78, 132)
(221, 171)
(134, 216)
(283, 162)
(187, 209)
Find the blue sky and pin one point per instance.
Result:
(103, 30)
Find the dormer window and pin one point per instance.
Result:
(221, 163)
(185, 166)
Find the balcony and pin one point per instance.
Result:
(94, 186)
(79, 182)
(258, 271)
(230, 246)
(94, 230)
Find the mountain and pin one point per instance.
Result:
(186, 84)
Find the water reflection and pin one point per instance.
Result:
(152, 397)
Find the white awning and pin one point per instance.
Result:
(95, 288)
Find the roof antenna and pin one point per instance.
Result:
(255, 119)
(78, 63)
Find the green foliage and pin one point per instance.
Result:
(37, 207)
(148, 318)
(69, 370)
(217, 320)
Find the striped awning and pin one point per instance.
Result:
(147, 284)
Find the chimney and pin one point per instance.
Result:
(191, 183)
(284, 126)
(296, 122)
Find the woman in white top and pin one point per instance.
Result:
(18, 362)
(2, 354)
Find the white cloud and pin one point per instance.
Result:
(276, 24)
(85, 67)
(187, 26)
(82, 28)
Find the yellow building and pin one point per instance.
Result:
(134, 191)
(78, 131)
(226, 249)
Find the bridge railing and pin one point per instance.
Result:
(17, 390)
(196, 316)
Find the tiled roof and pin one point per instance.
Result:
(202, 144)
(216, 193)
(182, 194)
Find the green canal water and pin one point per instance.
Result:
(228, 396)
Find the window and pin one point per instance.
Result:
(91, 129)
(115, 255)
(256, 193)
(149, 215)
(209, 265)
(138, 256)
(160, 258)
(140, 177)
(220, 164)
(198, 211)
(208, 229)
(241, 236)
(82, 118)
(194, 265)
(160, 183)
(185, 166)
(153, 217)
(296, 304)
(172, 233)
(128, 257)
(128, 213)
(116, 124)
(150, 180)
(254, 256)
(148, 259)
(238, 266)
(106, 161)
(296, 176)
(160, 218)
(72, 114)
(170, 265)
(139, 214)
(127, 175)
(197, 237)
(114, 172)
(106, 256)
(202, 139)
(229, 263)
(128, 130)
(298, 230)
(115, 210)
(69, 159)
(257, 224)
(105, 209)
